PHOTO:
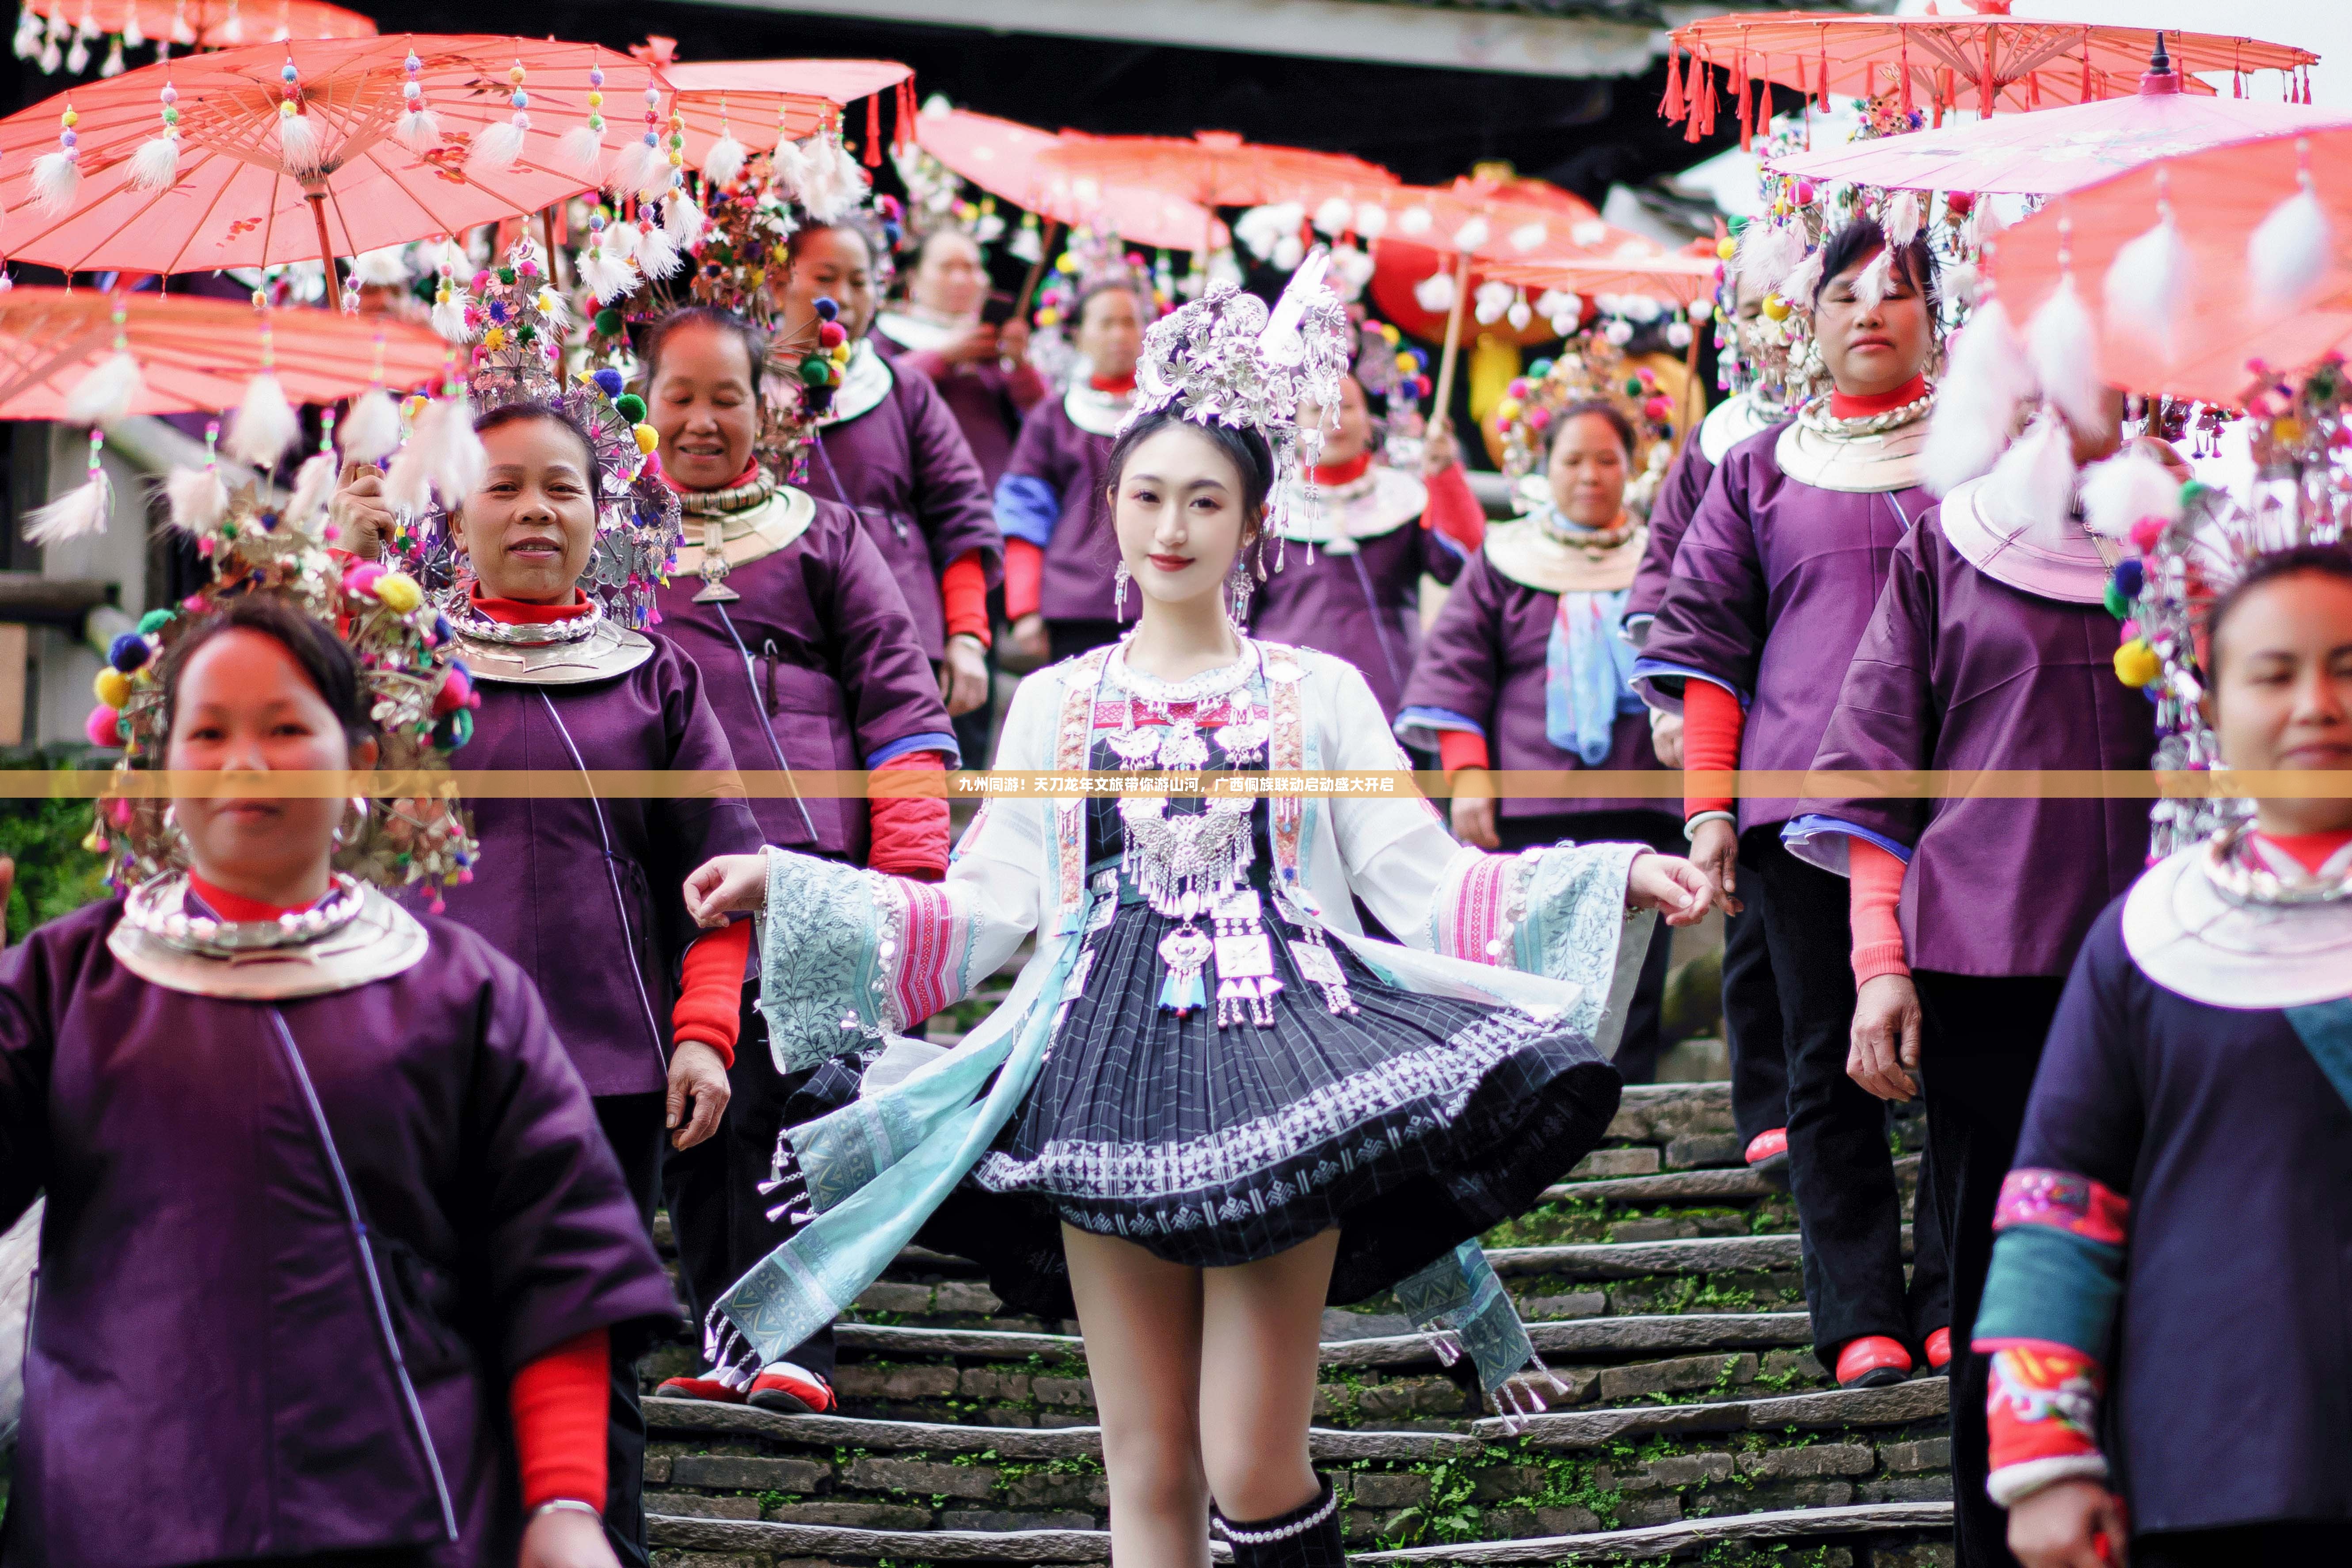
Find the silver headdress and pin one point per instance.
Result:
(1225, 359)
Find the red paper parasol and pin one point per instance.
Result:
(1004, 158)
(1215, 168)
(196, 355)
(1989, 62)
(836, 82)
(193, 24)
(232, 202)
(1402, 264)
(1674, 278)
(2061, 149)
(2222, 315)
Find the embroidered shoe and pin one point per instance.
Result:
(789, 1390)
(1939, 1349)
(1874, 1361)
(1768, 1156)
(708, 1389)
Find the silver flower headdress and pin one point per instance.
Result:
(1225, 359)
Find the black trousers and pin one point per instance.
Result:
(1751, 1017)
(633, 1126)
(1638, 1044)
(715, 1209)
(1840, 1169)
(1981, 1041)
(1070, 639)
(2278, 1543)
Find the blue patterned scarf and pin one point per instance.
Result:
(1588, 675)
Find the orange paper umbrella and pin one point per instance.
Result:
(1215, 168)
(1006, 159)
(765, 101)
(2195, 268)
(1673, 279)
(193, 355)
(1988, 61)
(274, 152)
(43, 25)
(839, 82)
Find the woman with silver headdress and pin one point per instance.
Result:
(2166, 1315)
(1210, 1105)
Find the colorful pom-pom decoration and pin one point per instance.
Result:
(647, 438)
(609, 381)
(629, 407)
(398, 592)
(2136, 664)
(112, 688)
(128, 652)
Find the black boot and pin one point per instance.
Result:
(1306, 1537)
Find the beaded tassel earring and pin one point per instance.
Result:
(1118, 593)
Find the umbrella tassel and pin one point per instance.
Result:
(57, 181)
(314, 481)
(80, 512)
(725, 160)
(2288, 253)
(495, 149)
(2148, 283)
(682, 218)
(1977, 400)
(2126, 489)
(156, 164)
(372, 430)
(2036, 477)
(265, 424)
(2063, 344)
(1672, 107)
(874, 131)
(106, 392)
(656, 256)
(1903, 218)
(1903, 65)
(419, 129)
(198, 499)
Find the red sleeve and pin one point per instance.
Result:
(711, 990)
(1711, 720)
(963, 596)
(1459, 748)
(1025, 386)
(1024, 578)
(559, 1407)
(1453, 511)
(1876, 879)
(909, 832)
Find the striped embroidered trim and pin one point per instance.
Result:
(1286, 753)
(1468, 910)
(1071, 745)
(933, 948)
(2063, 1201)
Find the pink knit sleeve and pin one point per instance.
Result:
(1875, 887)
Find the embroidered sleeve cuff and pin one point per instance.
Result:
(2041, 1407)
(2057, 1264)
(1821, 840)
(2012, 1484)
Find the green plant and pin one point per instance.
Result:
(55, 875)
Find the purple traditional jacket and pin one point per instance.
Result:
(207, 1371)
(980, 396)
(1678, 497)
(1052, 494)
(907, 471)
(1483, 664)
(1960, 670)
(1362, 606)
(836, 679)
(1762, 548)
(588, 894)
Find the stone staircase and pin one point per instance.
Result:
(1660, 1281)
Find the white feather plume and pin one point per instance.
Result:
(582, 150)
(2147, 286)
(2065, 346)
(622, 240)
(2288, 253)
(77, 514)
(2126, 488)
(496, 147)
(1960, 282)
(372, 429)
(106, 392)
(2034, 481)
(682, 218)
(1767, 253)
(408, 482)
(1804, 281)
(656, 255)
(198, 499)
(264, 425)
(1877, 279)
(449, 316)
(1901, 224)
(1985, 222)
(455, 452)
(156, 164)
(57, 180)
(791, 165)
(419, 129)
(1976, 402)
(606, 278)
(642, 169)
(724, 161)
(314, 481)
(300, 151)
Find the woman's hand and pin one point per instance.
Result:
(1714, 850)
(361, 516)
(1671, 885)
(2070, 1525)
(1885, 1040)
(697, 1074)
(1439, 450)
(963, 675)
(1474, 809)
(728, 884)
(565, 1538)
(1030, 641)
(1666, 737)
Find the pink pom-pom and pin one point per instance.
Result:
(2146, 532)
(1538, 419)
(456, 692)
(2129, 629)
(1659, 408)
(465, 879)
(104, 726)
(119, 809)
(1519, 387)
(361, 578)
(481, 280)
(653, 464)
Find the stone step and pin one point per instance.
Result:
(1921, 1399)
(1875, 1520)
(1714, 1187)
(813, 1544)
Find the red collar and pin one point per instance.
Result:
(1114, 385)
(516, 613)
(2311, 851)
(750, 471)
(1346, 473)
(238, 908)
(1845, 408)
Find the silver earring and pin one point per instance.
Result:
(1240, 586)
(1118, 593)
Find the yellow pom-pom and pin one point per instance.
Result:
(1388, 332)
(2136, 664)
(1508, 409)
(1776, 307)
(70, 119)
(1726, 248)
(595, 98)
(111, 687)
(495, 338)
(1407, 366)
(841, 353)
(2287, 431)
(398, 592)
(1049, 316)
(94, 842)
(647, 438)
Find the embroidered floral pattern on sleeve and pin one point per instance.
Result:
(2063, 1201)
(2043, 1406)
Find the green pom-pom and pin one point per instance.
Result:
(1632, 386)
(526, 333)
(631, 408)
(2191, 492)
(1539, 369)
(608, 322)
(507, 276)
(153, 621)
(813, 370)
(2117, 606)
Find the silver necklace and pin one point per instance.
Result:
(158, 907)
(2239, 879)
(1816, 415)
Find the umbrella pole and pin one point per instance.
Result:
(1037, 267)
(1694, 394)
(318, 200)
(1442, 405)
(547, 230)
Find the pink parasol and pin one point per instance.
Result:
(1006, 159)
(186, 24)
(2061, 149)
(2238, 287)
(230, 196)
(1675, 279)
(836, 82)
(1215, 168)
(1988, 61)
